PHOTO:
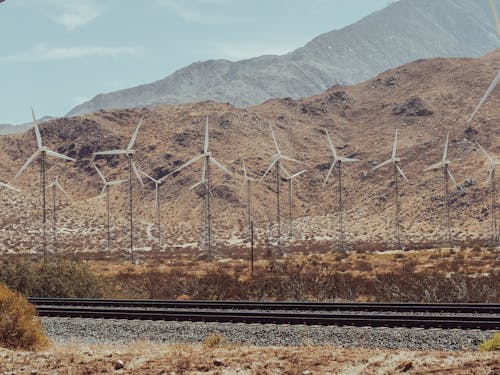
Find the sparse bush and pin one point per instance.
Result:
(61, 278)
(492, 344)
(215, 340)
(19, 328)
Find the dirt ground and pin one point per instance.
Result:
(148, 358)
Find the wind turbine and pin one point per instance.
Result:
(338, 162)
(207, 157)
(55, 185)
(246, 184)
(105, 190)
(290, 178)
(42, 151)
(277, 162)
(495, 81)
(444, 163)
(7, 186)
(157, 199)
(492, 180)
(129, 152)
(397, 171)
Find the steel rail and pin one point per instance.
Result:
(470, 308)
(410, 321)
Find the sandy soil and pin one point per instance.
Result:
(147, 358)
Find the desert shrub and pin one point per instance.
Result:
(492, 344)
(61, 278)
(215, 340)
(19, 328)
(363, 265)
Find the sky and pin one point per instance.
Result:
(55, 54)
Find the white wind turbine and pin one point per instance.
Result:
(338, 162)
(7, 186)
(55, 185)
(277, 162)
(42, 151)
(394, 160)
(129, 152)
(247, 186)
(105, 190)
(290, 178)
(207, 157)
(157, 201)
(491, 178)
(495, 81)
(444, 163)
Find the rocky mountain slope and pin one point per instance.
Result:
(423, 99)
(404, 31)
(15, 129)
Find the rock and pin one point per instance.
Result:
(413, 107)
(405, 366)
(218, 362)
(306, 372)
(119, 365)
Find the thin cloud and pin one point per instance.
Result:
(74, 14)
(43, 53)
(198, 11)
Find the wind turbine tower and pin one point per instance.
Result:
(208, 159)
(491, 178)
(157, 204)
(55, 185)
(247, 183)
(105, 190)
(290, 178)
(277, 158)
(338, 162)
(394, 160)
(444, 164)
(132, 169)
(42, 151)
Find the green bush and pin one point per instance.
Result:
(60, 278)
(19, 327)
(492, 344)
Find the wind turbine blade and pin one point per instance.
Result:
(490, 173)
(100, 173)
(274, 140)
(134, 136)
(37, 131)
(452, 178)
(245, 170)
(291, 159)
(186, 164)
(60, 156)
(204, 171)
(148, 176)
(223, 168)
(116, 182)
(484, 152)
(136, 172)
(485, 96)
(328, 174)
(401, 172)
(348, 160)
(110, 152)
(103, 190)
(28, 162)
(268, 169)
(434, 166)
(382, 164)
(298, 173)
(495, 13)
(58, 185)
(445, 152)
(205, 147)
(197, 184)
(395, 144)
(284, 170)
(5, 185)
(332, 147)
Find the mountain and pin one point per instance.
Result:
(402, 32)
(424, 100)
(15, 129)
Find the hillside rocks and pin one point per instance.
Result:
(413, 107)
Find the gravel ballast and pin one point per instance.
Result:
(103, 331)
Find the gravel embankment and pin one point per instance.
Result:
(123, 331)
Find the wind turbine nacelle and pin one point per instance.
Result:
(396, 160)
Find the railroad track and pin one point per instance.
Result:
(479, 316)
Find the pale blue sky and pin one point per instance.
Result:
(55, 54)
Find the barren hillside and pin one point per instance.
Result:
(423, 99)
